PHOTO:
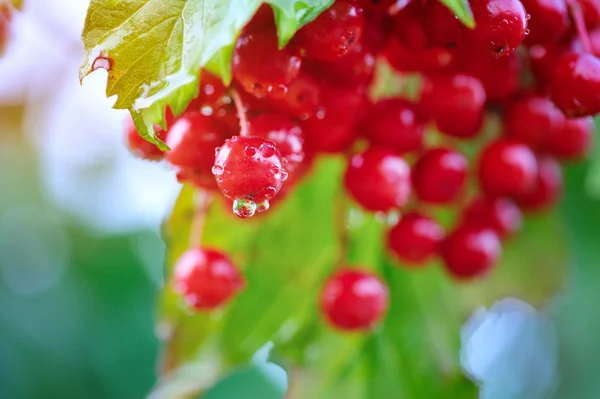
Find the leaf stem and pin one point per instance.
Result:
(577, 15)
(202, 200)
(241, 113)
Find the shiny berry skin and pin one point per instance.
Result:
(470, 251)
(549, 20)
(140, 147)
(500, 77)
(249, 168)
(499, 214)
(210, 91)
(575, 87)
(430, 60)
(353, 69)
(192, 141)
(378, 179)
(444, 29)
(410, 27)
(206, 278)
(303, 97)
(354, 300)
(532, 120)
(507, 168)
(333, 33)
(415, 238)
(284, 133)
(456, 104)
(573, 139)
(256, 44)
(439, 176)
(500, 25)
(543, 60)
(547, 189)
(378, 30)
(396, 124)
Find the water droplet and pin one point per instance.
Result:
(250, 150)
(269, 192)
(206, 110)
(217, 151)
(527, 17)
(263, 206)
(284, 175)
(209, 89)
(527, 31)
(267, 150)
(244, 208)
(217, 170)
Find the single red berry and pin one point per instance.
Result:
(573, 139)
(210, 91)
(139, 146)
(456, 104)
(286, 135)
(543, 60)
(353, 69)
(249, 170)
(206, 278)
(354, 300)
(499, 214)
(532, 120)
(378, 179)
(333, 33)
(439, 175)
(394, 123)
(443, 27)
(470, 251)
(192, 141)
(416, 238)
(500, 25)
(410, 27)
(507, 168)
(378, 30)
(547, 189)
(549, 20)
(256, 44)
(500, 77)
(575, 87)
(431, 60)
(303, 97)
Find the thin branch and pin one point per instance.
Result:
(241, 113)
(202, 201)
(577, 15)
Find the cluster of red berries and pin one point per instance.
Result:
(532, 62)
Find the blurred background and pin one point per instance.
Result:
(81, 255)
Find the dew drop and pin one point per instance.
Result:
(284, 175)
(263, 206)
(217, 151)
(209, 89)
(244, 208)
(250, 150)
(206, 110)
(527, 17)
(527, 31)
(269, 192)
(267, 150)
(217, 170)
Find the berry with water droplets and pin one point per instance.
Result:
(547, 188)
(549, 20)
(192, 141)
(333, 33)
(430, 60)
(248, 170)
(507, 168)
(378, 179)
(356, 68)
(415, 238)
(354, 300)
(206, 279)
(470, 251)
(575, 86)
(499, 214)
(573, 139)
(439, 176)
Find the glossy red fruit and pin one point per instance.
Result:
(573, 139)
(257, 43)
(415, 239)
(507, 168)
(431, 60)
(500, 77)
(439, 176)
(286, 135)
(249, 170)
(378, 30)
(499, 214)
(470, 251)
(333, 33)
(500, 26)
(456, 104)
(356, 68)
(532, 120)
(410, 27)
(303, 98)
(547, 189)
(378, 179)
(354, 300)
(210, 91)
(140, 147)
(193, 140)
(206, 278)
(443, 27)
(549, 20)
(575, 87)
(394, 123)
(543, 60)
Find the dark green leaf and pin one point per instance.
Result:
(462, 10)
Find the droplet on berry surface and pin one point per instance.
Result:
(244, 208)
(415, 239)
(263, 206)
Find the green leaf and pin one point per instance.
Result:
(153, 50)
(462, 10)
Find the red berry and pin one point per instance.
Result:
(377, 31)
(543, 60)
(193, 140)
(303, 98)
(498, 214)
(500, 25)
(410, 27)
(353, 69)
(547, 188)
(286, 135)
(500, 77)
(210, 91)
(443, 27)
(378, 179)
(439, 175)
(139, 146)
(572, 139)
(507, 168)
(394, 123)
(575, 87)
(456, 104)
(549, 20)
(333, 33)
(416, 238)
(206, 278)
(470, 251)
(428, 61)
(354, 299)
(591, 12)
(260, 66)
(532, 120)
(249, 170)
